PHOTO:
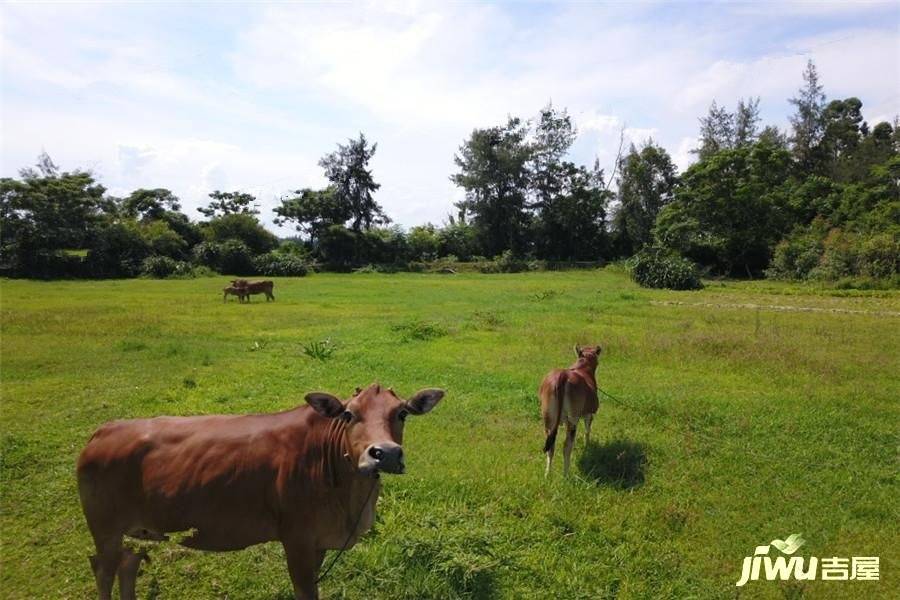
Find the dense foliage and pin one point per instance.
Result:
(280, 265)
(660, 268)
(522, 195)
(821, 201)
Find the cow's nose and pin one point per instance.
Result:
(386, 456)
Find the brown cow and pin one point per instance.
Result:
(233, 291)
(255, 287)
(306, 477)
(569, 394)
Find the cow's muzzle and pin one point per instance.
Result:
(386, 456)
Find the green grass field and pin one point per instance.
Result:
(736, 425)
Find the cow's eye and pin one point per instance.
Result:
(346, 416)
(402, 415)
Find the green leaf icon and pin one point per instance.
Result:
(790, 545)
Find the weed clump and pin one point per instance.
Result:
(321, 350)
(420, 330)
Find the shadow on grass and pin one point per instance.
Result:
(619, 464)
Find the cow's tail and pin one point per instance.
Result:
(559, 390)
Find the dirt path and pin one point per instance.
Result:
(785, 308)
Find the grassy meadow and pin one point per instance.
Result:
(734, 425)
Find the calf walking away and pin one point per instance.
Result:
(569, 395)
(306, 477)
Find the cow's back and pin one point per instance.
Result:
(217, 474)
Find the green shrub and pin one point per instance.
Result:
(186, 270)
(293, 248)
(162, 240)
(118, 250)
(235, 258)
(868, 283)
(383, 268)
(833, 254)
(207, 254)
(503, 263)
(49, 264)
(796, 255)
(241, 227)
(658, 268)
(231, 256)
(880, 256)
(280, 265)
(840, 256)
(159, 266)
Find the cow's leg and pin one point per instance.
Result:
(550, 450)
(105, 564)
(128, 572)
(567, 449)
(303, 565)
(270, 296)
(588, 419)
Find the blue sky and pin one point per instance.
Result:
(205, 96)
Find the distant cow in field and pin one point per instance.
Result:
(255, 287)
(569, 394)
(233, 291)
(307, 477)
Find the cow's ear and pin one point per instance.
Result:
(325, 404)
(424, 400)
(577, 351)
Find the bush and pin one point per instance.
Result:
(118, 251)
(293, 248)
(868, 283)
(840, 256)
(277, 264)
(658, 268)
(241, 227)
(185, 270)
(381, 246)
(503, 263)
(48, 264)
(231, 256)
(796, 256)
(208, 254)
(159, 266)
(835, 255)
(424, 243)
(163, 240)
(880, 256)
(235, 258)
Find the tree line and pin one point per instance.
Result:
(821, 200)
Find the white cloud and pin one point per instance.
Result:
(600, 123)
(253, 106)
(683, 155)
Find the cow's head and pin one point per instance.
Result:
(374, 419)
(588, 355)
